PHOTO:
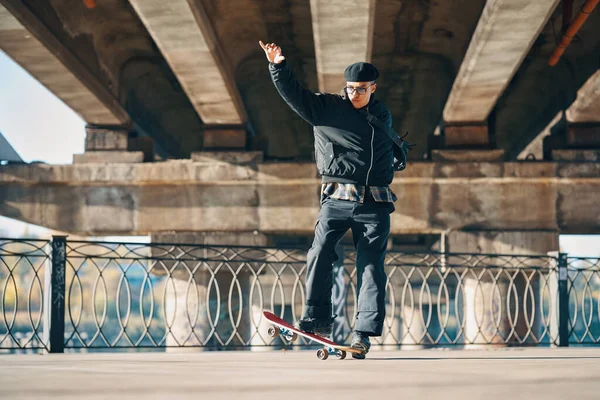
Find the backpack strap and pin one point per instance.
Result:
(404, 147)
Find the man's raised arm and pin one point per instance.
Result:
(305, 103)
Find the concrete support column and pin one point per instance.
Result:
(465, 142)
(221, 137)
(114, 144)
(581, 142)
(501, 301)
(467, 135)
(197, 293)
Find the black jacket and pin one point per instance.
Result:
(348, 149)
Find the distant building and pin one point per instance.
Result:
(7, 153)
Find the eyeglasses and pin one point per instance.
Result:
(359, 90)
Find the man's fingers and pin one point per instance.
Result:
(272, 50)
(265, 47)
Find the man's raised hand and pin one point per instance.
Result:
(272, 51)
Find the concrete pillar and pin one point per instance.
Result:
(224, 137)
(114, 144)
(467, 135)
(466, 142)
(581, 143)
(198, 311)
(502, 306)
(456, 155)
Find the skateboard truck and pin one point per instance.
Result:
(290, 336)
(322, 354)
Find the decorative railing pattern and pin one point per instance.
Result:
(78, 294)
(584, 300)
(24, 269)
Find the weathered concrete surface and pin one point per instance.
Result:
(584, 134)
(535, 148)
(419, 46)
(471, 135)
(111, 49)
(586, 108)
(341, 38)
(467, 155)
(100, 138)
(592, 155)
(224, 137)
(427, 374)
(230, 157)
(538, 92)
(284, 197)
(239, 25)
(505, 33)
(186, 39)
(109, 156)
(95, 106)
(506, 242)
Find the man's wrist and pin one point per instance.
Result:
(278, 65)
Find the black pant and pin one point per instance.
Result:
(370, 224)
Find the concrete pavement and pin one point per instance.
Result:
(419, 374)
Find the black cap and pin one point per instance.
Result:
(361, 72)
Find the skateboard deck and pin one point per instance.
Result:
(281, 327)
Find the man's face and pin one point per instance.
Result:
(359, 93)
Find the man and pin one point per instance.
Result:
(355, 159)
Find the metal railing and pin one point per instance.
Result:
(24, 269)
(80, 295)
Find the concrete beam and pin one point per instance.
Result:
(583, 134)
(185, 36)
(470, 135)
(108, 157)
(586, 107)
(26, 40)
(343, 34)
(187, 196)
(574, 136)
(506, 31)
(535, 148)
(468, 155)
(589, 155)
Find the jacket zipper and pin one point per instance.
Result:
(371, 166)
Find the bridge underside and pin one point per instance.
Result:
(191, 75)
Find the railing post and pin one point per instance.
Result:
(563, 300)
(57, 296)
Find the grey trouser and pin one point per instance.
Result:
(370, 224)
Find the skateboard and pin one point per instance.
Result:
(280, 327)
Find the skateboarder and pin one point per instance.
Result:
(356, 161)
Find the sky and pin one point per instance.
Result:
(40, 127)
(36, 123)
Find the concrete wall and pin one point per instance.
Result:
(97, 199)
